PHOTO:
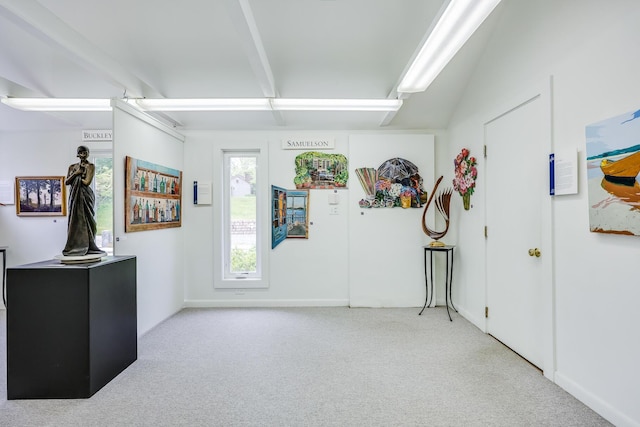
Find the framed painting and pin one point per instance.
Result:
(41, 196)
(153, 196)
(278, 215)
(613, 165)
(289, 215)
(297, 214)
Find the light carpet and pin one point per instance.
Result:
(332, 366)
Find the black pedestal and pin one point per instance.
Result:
(70, 328)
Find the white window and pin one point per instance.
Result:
(102, 185)
(242, 222)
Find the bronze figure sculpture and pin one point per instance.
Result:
(81, 229)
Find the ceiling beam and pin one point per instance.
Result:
(245, 25)
(242, 18)
(16, 89)
(39, 21)
(390, 115)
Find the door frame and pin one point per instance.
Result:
(543, 91)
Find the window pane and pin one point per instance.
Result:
(240, 231)
(242, 215)
(103, 189)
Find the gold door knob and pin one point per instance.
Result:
(534, 252)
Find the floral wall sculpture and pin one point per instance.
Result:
(465, 174)
(396, 183)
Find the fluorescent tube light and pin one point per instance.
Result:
(58, 104)
(290, 104)
(268, 104)
(204, 104)
(458, 22)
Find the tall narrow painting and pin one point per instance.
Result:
(278, 215)
(298, 214)
(289, 215)
(613, 164)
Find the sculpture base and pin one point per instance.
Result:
(437, 244)
(71, 329)
(80, 259)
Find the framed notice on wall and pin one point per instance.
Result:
(563, 173)
(6, 193)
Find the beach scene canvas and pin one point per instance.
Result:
(613, 164)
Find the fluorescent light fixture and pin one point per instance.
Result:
(268, 104)
(58, 104)
(208, 104)
(203, 104)
(458, 22)
(292, 104)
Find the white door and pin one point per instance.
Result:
(517, 172)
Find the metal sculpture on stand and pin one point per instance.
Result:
(443, 200)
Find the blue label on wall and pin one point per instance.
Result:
(552, 174)
(195, 192)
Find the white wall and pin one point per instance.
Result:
(589, 47)
(302, 272)
(159, 253)
(33, 239)
(386, 257)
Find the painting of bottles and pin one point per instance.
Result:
(153, 197)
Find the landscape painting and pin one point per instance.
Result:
(41, 196)
(613, 164)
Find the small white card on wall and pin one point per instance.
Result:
(6, 193)
(563, 168)
(202, 193)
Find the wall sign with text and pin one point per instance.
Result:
(308, 143)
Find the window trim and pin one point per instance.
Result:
(103, 152)
(220, 238)
(226, 220)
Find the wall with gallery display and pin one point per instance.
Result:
(315, 270)
(385, 244)
(37, 236)
(317, 261)
(160, 264)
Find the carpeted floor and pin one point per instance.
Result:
(313, 367)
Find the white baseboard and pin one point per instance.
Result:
(477, 321)
(265, 303)
(603, 408)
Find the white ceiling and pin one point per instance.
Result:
(225, 48)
